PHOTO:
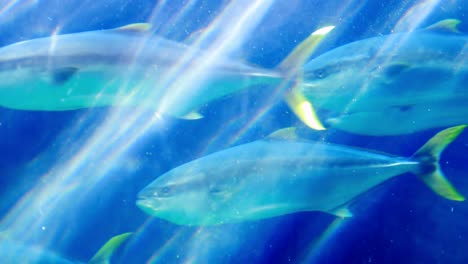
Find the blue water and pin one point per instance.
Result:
(399, 222)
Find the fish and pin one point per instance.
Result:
(284, 174)
(394, 84)
(17, 252)
(127, 66)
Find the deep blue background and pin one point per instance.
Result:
(400, 222)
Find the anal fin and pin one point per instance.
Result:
(194, 115)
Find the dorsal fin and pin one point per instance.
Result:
(135, 28)
(194, 36)
(445, 26)
(288, 133)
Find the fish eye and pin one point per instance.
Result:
(320, 74)
(161, 192)
(165, 190)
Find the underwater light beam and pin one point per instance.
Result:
(16, 6)
(188, 6)
(233, 25)
(413, 18)
(316, 245)
(78, 175)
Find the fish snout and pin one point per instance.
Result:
(148, 200)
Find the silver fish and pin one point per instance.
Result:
(278, 176)
(126, 66)
(395, 84)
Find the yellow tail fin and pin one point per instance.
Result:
(304, 50)
(428, 155)
(291, 66)
(105, 252)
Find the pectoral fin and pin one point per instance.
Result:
(62, 75)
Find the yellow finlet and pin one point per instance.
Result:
(288, 133)
(446, 26)
(136, 27)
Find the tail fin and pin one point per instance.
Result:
(105, 252)
(302, 52)
(291, 66)
(428, 155)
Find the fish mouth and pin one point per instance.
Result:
(147, 206)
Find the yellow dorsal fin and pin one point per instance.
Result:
(445, 26)
(288, 133)
(136, 27)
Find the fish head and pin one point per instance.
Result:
(189, 195)
(345, 78)
(22, 62)
(336, 77)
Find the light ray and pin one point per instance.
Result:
(78, 174)
(315, 247)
